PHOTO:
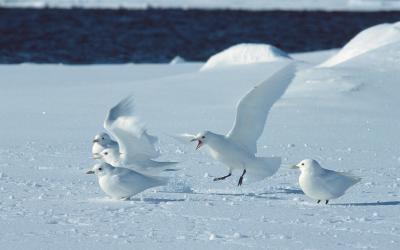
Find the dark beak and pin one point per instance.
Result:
(90, 172)
(95, 140)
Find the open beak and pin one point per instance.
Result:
(96, 156)
(294, 167)
(90, 172)
(95, 140)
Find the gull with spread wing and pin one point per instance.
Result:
(237, 149)
(136, 148)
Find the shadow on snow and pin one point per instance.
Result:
(378, 203)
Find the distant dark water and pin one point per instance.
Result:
(83, 36)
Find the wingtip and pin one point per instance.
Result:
(123, 108)
(127, 101)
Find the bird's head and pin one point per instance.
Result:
(108, 155)
(202, 138)
(100, 169)
(102, 138)
(307, 165)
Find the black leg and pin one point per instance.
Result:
(223, 177)
(241, 178)
(326, 202)
(318, 201)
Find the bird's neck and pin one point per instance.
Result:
(313, 171)
(113, 161)
(215, 141)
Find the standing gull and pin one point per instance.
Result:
(122, 183)
(323, 184)
(237, 149)
(136, 148)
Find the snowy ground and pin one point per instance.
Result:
(346, 117)
(329, 5)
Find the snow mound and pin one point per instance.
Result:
(245, 54)
(367, 40)
(177, 60)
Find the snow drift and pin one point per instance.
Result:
(177, 60)
(367, 40)
(245, 54)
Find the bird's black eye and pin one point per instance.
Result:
(102, 138)
(106, 153)
(203, 137)
(302, 164)
(100, 169)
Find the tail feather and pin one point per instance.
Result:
(263, 167)
(154, 167)
(153, 181)
(160, 165)
(355, 179)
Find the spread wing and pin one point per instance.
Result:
(134, 142)
(253, 108)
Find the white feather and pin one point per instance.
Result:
(122, 183)
(253, 108)
(323, 184)
(133, 140)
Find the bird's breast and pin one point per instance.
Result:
(109, 186)
(97, 148)
(104, 183)
(314, 187)
(230, 154)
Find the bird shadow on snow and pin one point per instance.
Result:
(254, 195)
(289, 191)
(378, 203)
(156, 200)
(145, 200)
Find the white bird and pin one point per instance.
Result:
(122, 183)
(136, 147)
(323, 184)
(102, 141)
(237, 149)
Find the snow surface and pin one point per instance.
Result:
(245, 53)
(330, 5)
(346, 117)
(367, 40)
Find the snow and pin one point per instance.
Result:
(346, 117)
(245, 53)
(367, 40)
(328, 5)
(177, 60)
